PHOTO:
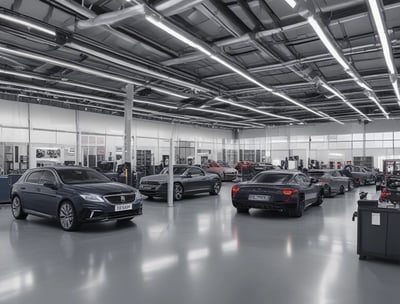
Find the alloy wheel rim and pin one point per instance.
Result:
(216, 187)
(178, 192)
(66, 216)
(16, 206)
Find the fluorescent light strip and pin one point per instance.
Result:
(79, 68)
(385, 43)
(27, 24)
(292, 3)
(396, 90)
(217, 112)
(382, 35)
(168, 92)
(337, 94)
(375, 100)
(340, 58)
(237, 71)
(327, 42)
(154, 104)
(252, 109)
(220, 60)
(174, 33)
(331, 118)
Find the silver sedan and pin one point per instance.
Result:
(332, 181)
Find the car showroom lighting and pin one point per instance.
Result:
(155, 104)
(372, 97)
(216, 112)
(77, 67)
(338, 94)
(385, 43)
(328, 43)
(177, 35)
(292, 3)
(168, 92)
(28, 24)
(158, 22)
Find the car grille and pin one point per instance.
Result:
(149, 183)
(121, 198)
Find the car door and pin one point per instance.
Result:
(48, 195)
(198, 180)
(336, 180)
(310, 191)
(29, 191)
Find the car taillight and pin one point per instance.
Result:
(235, 190)
(289, 192)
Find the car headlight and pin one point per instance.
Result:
(92, 197)
(138, 195)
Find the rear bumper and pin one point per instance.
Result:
(279, 206)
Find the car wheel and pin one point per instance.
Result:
(16, 209)
(242, 210)
(320, 199)
(67, 217)
(341, 190)
(178, 192)
(216, 187)
(125, 220)
(298, 210)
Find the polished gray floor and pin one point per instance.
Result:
(200, 251)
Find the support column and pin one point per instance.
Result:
(171, 169)
(30, 163)
(78, 149)
(128, 123)
(364, 138)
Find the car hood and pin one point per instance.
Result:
(101, 188)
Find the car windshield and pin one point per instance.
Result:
(276, 178)
(81, 176)
(177, 170)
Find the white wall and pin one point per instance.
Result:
(56, 127)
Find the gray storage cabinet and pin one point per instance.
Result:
(378, 231)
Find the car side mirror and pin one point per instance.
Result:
(53, 186)
(313, 180)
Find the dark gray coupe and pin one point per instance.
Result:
(277, 190)
(187, 180)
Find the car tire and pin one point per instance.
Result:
(178, 192)
(298, 211)
(242, 210)
(67, 217)
(216, 187)
(125, 220)
(16, 209)
(341, 190)
(320, 199)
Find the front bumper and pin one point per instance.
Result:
(153, 190)
(109, 214)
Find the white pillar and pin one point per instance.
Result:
(128, 123)
(171, 169)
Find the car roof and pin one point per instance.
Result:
(281, 172)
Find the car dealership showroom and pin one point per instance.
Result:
(199, 151)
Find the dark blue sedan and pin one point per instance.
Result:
(73, 195)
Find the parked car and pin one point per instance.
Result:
(259, 167)
(244, 165)
(332, 181)
(73, 195)
(187, 180)
(360, 175)
(277, 190)
(225, 173)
